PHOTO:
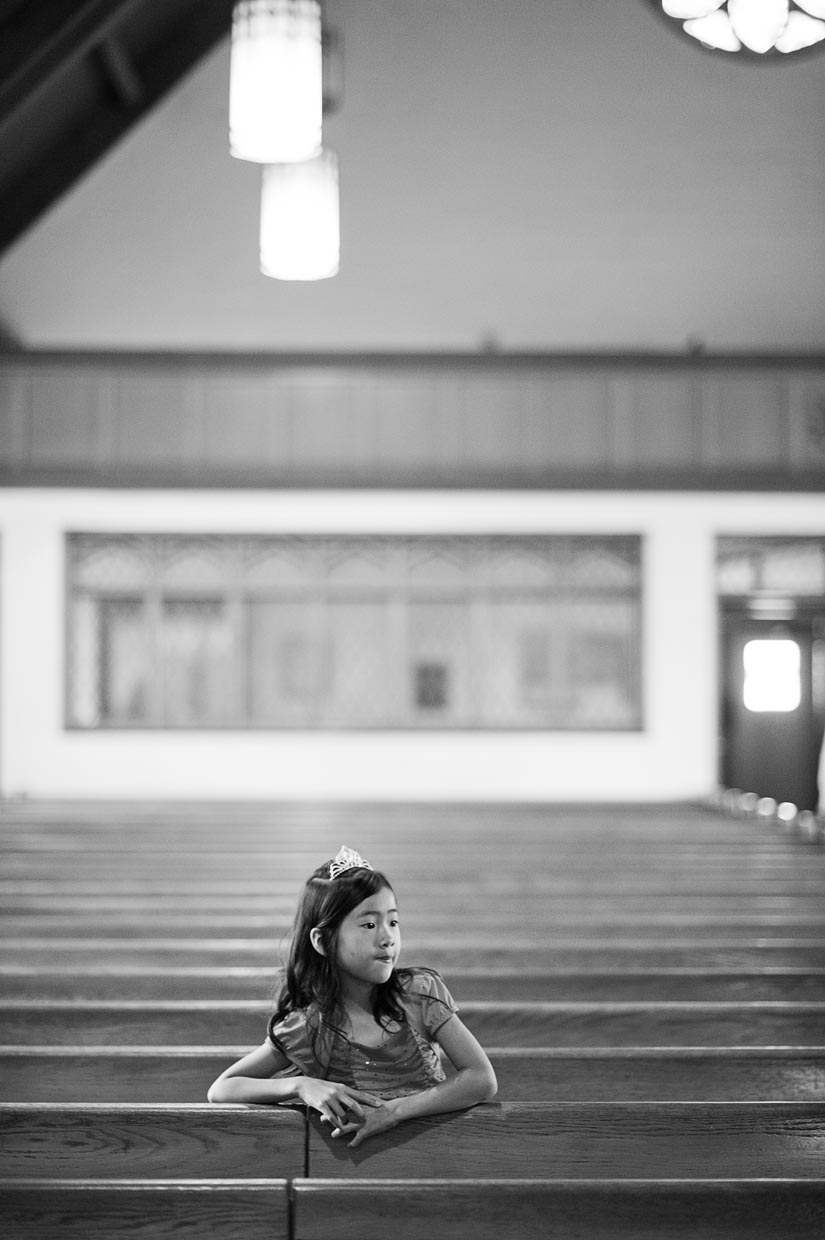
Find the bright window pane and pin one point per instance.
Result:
(124, 661)
(772, 675)
(195, 649)
(285, 662)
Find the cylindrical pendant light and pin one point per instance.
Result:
(300, 229)
(275, 86)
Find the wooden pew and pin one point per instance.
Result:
(116, 1141)
(526, 1209)
(732, 900)
(686, 1074)
(565, 915)
(614, 1141)
(687, 830)
(499, 953)
(542, 1074)
(567, 924)
(787, 878)
(513, 985)
(706, 839)
(653, 934)
(111, 1074)
(222, 1022)
(221, 1209)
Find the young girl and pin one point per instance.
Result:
(352, 1036)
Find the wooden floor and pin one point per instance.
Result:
(649, 983)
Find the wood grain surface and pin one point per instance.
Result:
(222, 1022)
(82, 1141)
(647, 1140)
(517, 984)
(585, 955)
(167, 1210)
(544, 1074)
(547, 1210)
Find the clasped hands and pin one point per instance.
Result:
(348, 1110)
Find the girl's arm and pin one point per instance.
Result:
(474, 1082)
(252, 1079)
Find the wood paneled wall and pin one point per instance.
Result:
(491, 420)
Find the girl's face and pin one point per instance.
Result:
(369, 941)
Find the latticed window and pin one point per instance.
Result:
(354, 632)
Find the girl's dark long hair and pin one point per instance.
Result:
(312, 980)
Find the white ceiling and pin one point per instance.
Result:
(539, 174)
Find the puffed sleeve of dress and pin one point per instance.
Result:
(428, 1002)
(291, 1038)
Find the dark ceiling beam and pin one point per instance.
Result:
(41, 41)
(8, 8)
(136, 66)
(120, 73)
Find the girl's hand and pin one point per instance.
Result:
(380, 1118)
(336, 1104)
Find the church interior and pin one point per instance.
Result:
(469, 513)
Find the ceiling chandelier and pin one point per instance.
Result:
(757, 27)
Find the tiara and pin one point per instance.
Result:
(347, 859)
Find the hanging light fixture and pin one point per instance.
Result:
(275, 84)
(300, 230)
(759, 27)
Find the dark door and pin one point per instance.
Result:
(771, 709)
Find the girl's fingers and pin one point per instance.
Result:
(370, 1100)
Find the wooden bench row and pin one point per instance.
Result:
(656, 828)
(182, 1075)
(222, 1209)
(550, 1141)
(463, 1209)
(137, 875)
(94, 813)
(61, 899)
(782, 878)
(297, 858)
(663, 926)
(303, 824)
(731, 898)
(519, 985)
(243, 1023)
(546, 1210)
(479, 952)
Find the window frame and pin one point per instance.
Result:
(396, 596)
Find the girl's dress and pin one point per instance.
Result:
(407, 1061)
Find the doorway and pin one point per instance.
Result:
(773, 699)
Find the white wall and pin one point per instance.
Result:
(673, 758)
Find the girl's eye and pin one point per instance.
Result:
(367, 925)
